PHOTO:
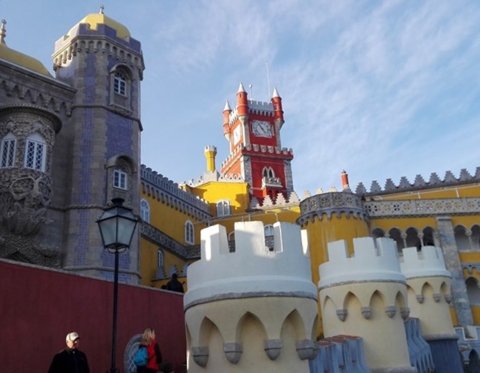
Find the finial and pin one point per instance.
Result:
(101, 8)
(275, 93)
(3, 32)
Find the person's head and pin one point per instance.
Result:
(148, 335)
(174, 276)
(72, 340)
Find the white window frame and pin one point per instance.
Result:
(120, 84)
(8, 151)
(160, 258)
(189, 233)
(145, 210)
(35, 152)
(223, 207)
(120, 179)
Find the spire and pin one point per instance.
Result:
(101, 9)
(275, 93)
(3, 32)
(344, 177)
(241, 89)
(227, 107)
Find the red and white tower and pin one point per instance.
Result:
(256, 155)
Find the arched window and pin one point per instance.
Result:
(119, 179)
(189, 233)
(160, 258)
(145, 211)
(120, 84)
(223, 208)
(269, 240)
(35, 152)
(268, 230)
(7, 151)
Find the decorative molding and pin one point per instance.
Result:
(422, 207)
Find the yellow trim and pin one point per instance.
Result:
(20, 59)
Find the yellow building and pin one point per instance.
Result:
(256, 184)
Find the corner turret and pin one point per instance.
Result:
(226, 120)
(242, 101)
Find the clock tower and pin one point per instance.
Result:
(252, 129)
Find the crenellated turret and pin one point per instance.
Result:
(226, 120)
(210, 154)
(365, 295)
(429, 295)
(251, 305)
(278, 109)
(242, 101)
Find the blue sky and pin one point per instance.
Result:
(381, 89)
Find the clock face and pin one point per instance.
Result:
(237, 134)
(262, 128)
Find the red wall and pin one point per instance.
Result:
(38, 307)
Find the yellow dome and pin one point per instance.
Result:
(101, 19)
(22, 60)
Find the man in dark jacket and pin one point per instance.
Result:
(71, 359)
(174, 284)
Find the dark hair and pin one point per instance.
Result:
(174, 275)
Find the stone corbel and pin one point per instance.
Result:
(342, 314)
(437, 297)
(200, 355)
(306, 349)
(233, 351)
(273, 347)
(420, 298)
(448, 298)
(390, 311)
(367, 312)
(405, 312)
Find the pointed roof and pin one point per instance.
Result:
(17, 58)
(240, 88)
(227, 107)
(275, 93)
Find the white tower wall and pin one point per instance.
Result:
(365, 295)
(429, 291)
(252, 309)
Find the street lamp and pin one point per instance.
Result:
(117, 225)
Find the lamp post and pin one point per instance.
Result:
(117, 225)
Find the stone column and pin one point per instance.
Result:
(453, 264)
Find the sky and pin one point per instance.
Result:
(380, 89)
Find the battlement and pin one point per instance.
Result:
(428, 262)
(208, 176)
(252, 270)
(419, 183)
(167, 186)
(256, 149)
(372, 261)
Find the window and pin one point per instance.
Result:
(223, 208)
(120, 84)
(145, 211)
(7, 151)
(119, 179)
(35, 152)
(189, 233)
(160, 258)
(268, 230)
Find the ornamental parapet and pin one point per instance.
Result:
(419, 183)
(326, 204)
(444, 206)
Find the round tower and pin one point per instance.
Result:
(330, 217)
(251, 306)
(365, 295)
(429, 295)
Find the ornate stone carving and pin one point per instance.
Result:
(272, 348)
(233, 352)
(200, 355)
(306, 349)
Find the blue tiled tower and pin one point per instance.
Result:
(98, 153)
